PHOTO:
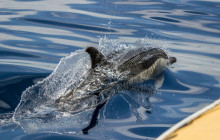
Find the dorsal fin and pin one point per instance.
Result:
(96, 56)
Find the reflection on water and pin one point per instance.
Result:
(36, 34)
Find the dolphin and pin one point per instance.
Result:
(107, 77)
(135, 67)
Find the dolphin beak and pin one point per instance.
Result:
(172, 60)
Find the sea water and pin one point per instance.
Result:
(42, 46)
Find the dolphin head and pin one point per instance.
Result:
(146, 64)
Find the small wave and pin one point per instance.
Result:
(165, 19)
(68, 25)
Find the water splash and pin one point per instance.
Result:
(37, 111)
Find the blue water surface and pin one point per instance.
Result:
(36, 34)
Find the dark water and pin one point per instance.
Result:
(36, 34)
